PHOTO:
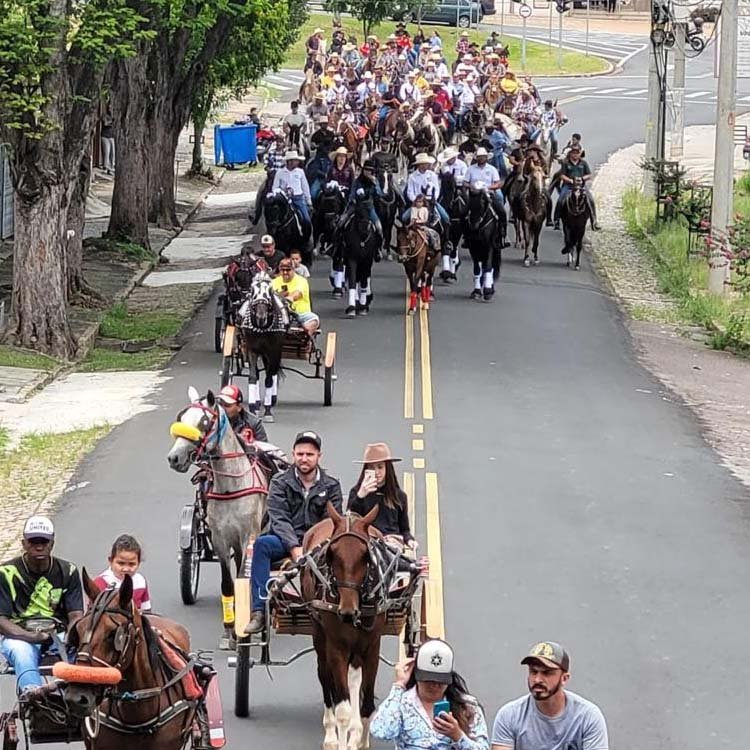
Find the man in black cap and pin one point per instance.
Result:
(550, 716)
(297, 500)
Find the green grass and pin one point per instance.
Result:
(106, 360)
(684, 278)
(540, 59)
(4, 437)
(12, 357)
(118, 323)
(127, 250)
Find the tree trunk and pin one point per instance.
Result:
(131, 98)
(199, 125)
(75, 223)
(39, 317)
(163, 208)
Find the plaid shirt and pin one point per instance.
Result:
(275, 158)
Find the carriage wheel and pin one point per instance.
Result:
(10, 733)
(219, 327)
(329, 373)
(190, 567)
(242, 680)
(228, 361)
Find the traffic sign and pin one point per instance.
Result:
(524, 11)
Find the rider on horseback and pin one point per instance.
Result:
(482, 171)
(291, 179)
(574, 167)
(424, 180)
(452, 164)
(420, 216)
(365, 188)
(551, 118)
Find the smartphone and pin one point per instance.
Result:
(441, 707)
(369, 474)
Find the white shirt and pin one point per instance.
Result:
(293, 179)
(336, 92)
(364, 89)
(457, 169)
(442, 69)
(409, 92)
(486, 174)
(468, 96)
(418, 180)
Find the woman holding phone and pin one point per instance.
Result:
(429, 706)
(378, 485)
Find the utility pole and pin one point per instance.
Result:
(681, 18)
(723, 196)
(652, 121)
(559, 38)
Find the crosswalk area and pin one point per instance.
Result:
(637, 91)
(283, 80)
(614, 47)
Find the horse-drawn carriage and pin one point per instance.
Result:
(80, 696)
(401, 598)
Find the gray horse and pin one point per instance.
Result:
(235, 490)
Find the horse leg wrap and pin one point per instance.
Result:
(447, 263)
(253, 395)
(227, 610)
(352, 297)
(488, 280)
(275, 386)
(477, 281)
(268, 396)
(338, 279)
(363, 296)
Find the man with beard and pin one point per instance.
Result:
(550, 717)
(297, 500)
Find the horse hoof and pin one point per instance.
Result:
(411, 311)
(526, 262)
(268, 417)
(370, 298)
(445, 276)
(351, 312)
(362, 310)
(337, 293)
(488, 294)
(476, 294)
(578, 267)
(537, 261)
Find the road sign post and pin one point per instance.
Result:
(525, 12)
(561, 6)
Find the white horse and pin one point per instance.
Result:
(236, 487)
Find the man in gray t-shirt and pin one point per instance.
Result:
(550, 717)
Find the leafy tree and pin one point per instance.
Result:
(242, 61)
(153, 96)
(372, 12)
(52, 59)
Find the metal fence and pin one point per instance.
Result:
(6, 197)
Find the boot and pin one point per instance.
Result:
(594, 223)
(257, 623)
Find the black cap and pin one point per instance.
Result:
(549, 653)
(369, 164)
(308, 436)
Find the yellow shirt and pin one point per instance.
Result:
(422, 83)
(295, 284)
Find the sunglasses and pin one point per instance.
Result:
(38, 541)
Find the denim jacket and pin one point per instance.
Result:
(401, 717)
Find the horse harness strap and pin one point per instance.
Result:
(152, 725)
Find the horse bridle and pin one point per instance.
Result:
(349, 532)
(127, 634)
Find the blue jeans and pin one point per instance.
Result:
(552, 137)
(268, 548)
(315, 188)
(301, 205)
(24, 658)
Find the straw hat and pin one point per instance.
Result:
(481, 151)
(349, 47)
(448, 154)
(289, 155)
(318, 31)
(340, 151)
(424, 159)
(377, 452)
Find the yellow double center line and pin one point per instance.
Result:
(434, 585)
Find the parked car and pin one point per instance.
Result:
(460, 13)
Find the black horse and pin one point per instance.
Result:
(358, 244)
(327, 211)
(391, 202)
(263, 321)
(260, 197)
(485, 237)
(455, 201)
(286, 226)
(574, 214)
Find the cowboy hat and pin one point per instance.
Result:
(318, 30)
(318, 95)
(290, 155)
(367, 75)
(340, 151)
(448, 154)
(424, 159)
(349, 47)
(377, 453)
(464, 33)
(481, 151)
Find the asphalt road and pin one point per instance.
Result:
(577, 498)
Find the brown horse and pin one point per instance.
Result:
(159, 704)
(420, 260)
(310, 86)
(347, 628)
(530, 210)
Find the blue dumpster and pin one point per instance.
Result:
(235, 144)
